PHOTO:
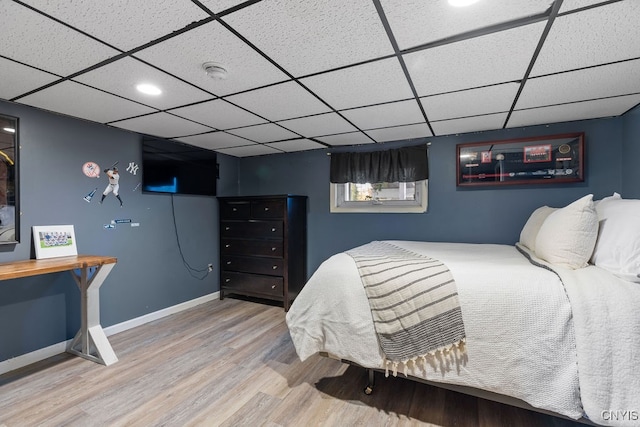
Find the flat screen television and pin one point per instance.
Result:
(176, 168)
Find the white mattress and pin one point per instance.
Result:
(518, 322)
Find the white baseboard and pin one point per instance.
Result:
(44, 353)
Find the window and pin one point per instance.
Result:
(380, 181)
(391, 197)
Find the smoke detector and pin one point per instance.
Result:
(215, 70)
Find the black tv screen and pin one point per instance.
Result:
(177, 168)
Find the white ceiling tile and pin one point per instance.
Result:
(592, 37)
(350, 138)
(249, 150)
(494, 58)
(385, 115)
(469, 124)
(215, 140)
(568, 5)
(296, 145)
(184, 55)
(217, 6)
(417, 22)
(264, 133)
(81, 101)
(576, 111)
(282, 101)
(162, 124)
(35, 40)
(371, 83)
(121, 78)
(622, 78)
(18, 79)
(400, 133)
(322, 124)
(218, 114)
(306, 37)
(485, 100)
(123, 24)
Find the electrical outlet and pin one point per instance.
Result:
(210, 266)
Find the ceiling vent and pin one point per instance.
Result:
(215, 70)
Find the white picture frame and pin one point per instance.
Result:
(52, 241)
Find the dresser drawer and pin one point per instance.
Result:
(252, 283)
(252, 229)
(268, 248)
(269, 266)
(267, 209)
(235, 210)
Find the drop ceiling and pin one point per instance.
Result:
(312, 74)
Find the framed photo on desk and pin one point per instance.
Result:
(52, 241)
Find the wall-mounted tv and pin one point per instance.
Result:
(176, 168)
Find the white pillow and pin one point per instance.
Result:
(530, 230)
(568, 235)
(614, 196)
(618, 247)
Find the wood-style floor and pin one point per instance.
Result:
(230, 363)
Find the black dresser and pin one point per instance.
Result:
(263, 246)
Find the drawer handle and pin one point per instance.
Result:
(228, 262)
(227, 280)
(273, 249)
(227, 245)
(275, 267)
(266, 209)
(235, 209)
(273, 229)
(227, 228)
(273, 286)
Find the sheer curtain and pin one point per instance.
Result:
(405, 164)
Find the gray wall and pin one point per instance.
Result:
(488, 215)
(631, 150)
(40, 311)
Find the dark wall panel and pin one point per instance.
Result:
(630, 160)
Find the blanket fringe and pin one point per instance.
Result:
(442, 357)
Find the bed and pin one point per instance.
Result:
(552, 323)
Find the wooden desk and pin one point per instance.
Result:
(90, 342)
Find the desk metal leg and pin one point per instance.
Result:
(91, 342)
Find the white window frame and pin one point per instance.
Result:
(338, 204)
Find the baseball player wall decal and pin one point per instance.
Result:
(113, 186)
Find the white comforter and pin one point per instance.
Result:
(521, 339)
(607, 328)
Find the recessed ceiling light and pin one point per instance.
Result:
(462, 3)
(10, 130)
(148, 89)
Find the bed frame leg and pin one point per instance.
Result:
(369, 388)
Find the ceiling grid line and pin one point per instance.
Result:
(552, 16)
(396, 49)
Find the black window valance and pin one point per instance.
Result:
(405, 164)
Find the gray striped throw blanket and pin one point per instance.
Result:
(414, 303)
